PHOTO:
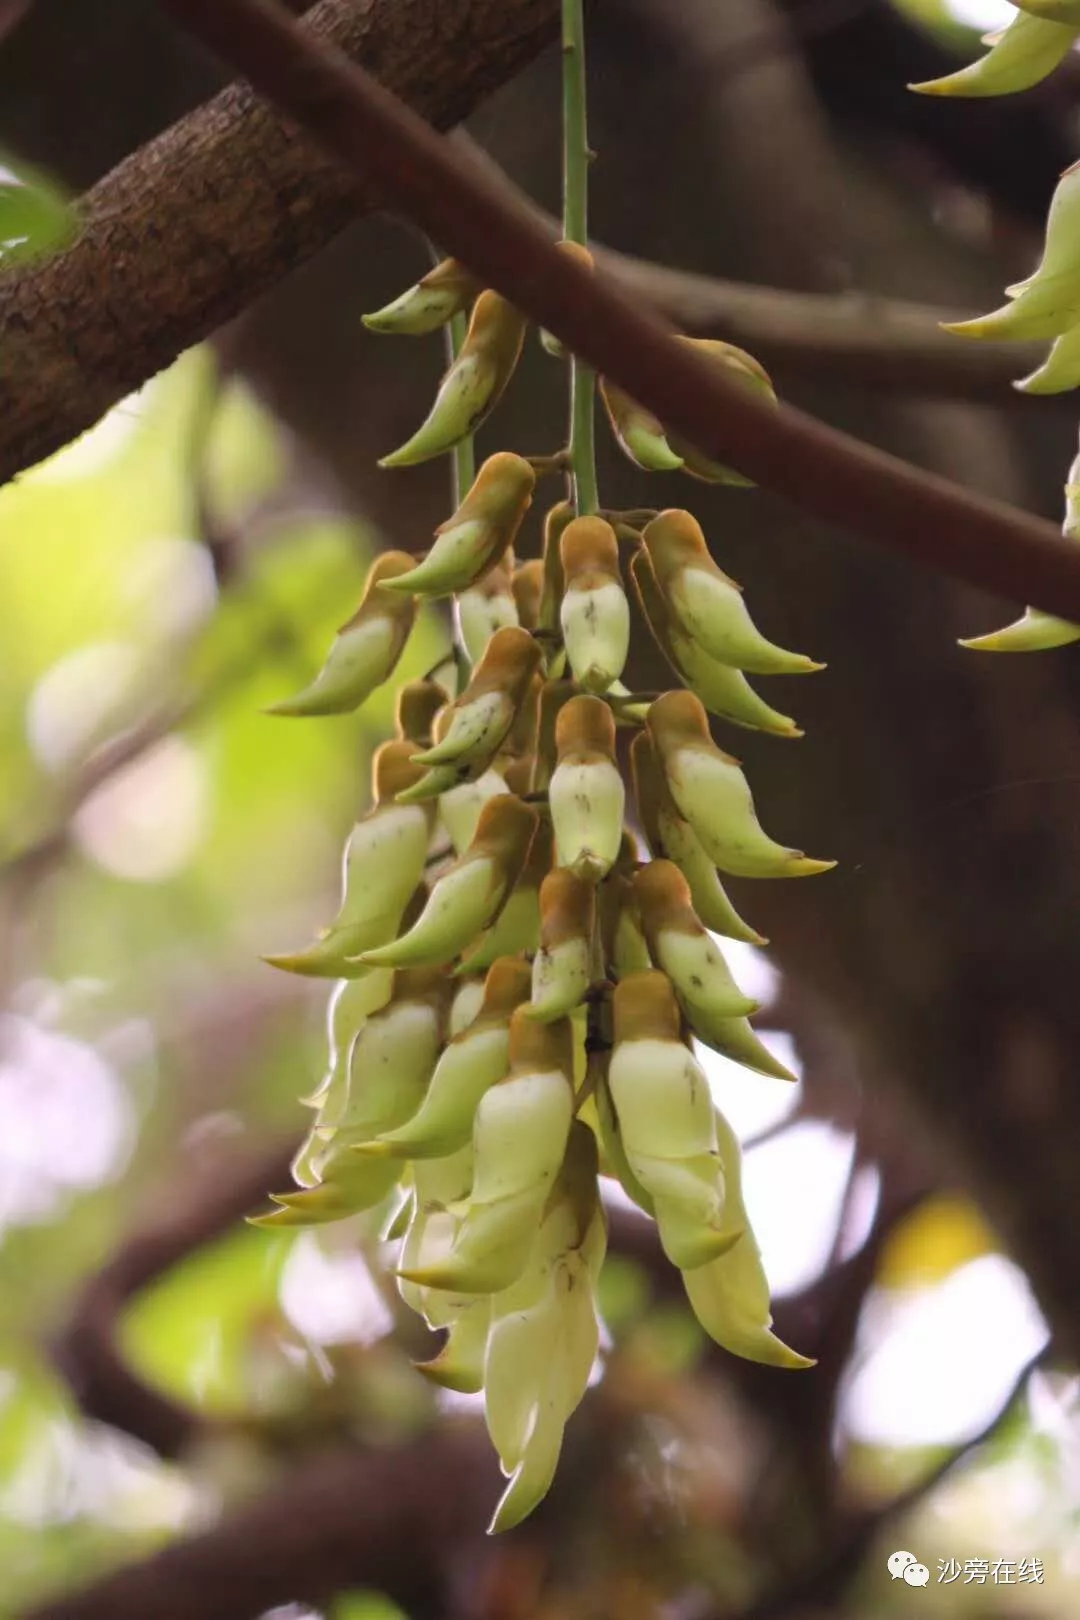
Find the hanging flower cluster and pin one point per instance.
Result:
(520, 980)
(1046, 305)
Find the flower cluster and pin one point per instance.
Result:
(520, 978)
(1046, 305)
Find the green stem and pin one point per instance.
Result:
(576, 159)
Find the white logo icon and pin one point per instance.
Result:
(900, 1563)
(916, 1574)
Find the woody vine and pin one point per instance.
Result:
(521, 973)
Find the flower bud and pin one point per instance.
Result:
(548, 341)
(625, 948)
(1058, 11)
(519, 1140)
(672, 838)
(742, 368)
(595, 615)
(437, 297)
(708, 606)
(479, 533)
(1037, 631)
(730, 1295)
(562, 968)
(666, 1121)
(712, 793)
(555, 522)
(1025, 51)
(517, 929)
(734, 1038)
(1047, 303)
(468, 898)
(383, 863)
(472, 386)
(638, 433)
(472, 1062)
(460, 807)
(418, 703)
(544, 1336)
(724, 691)
(482, 716)
(366, 650)
(681, 945)
(586, 793)
(345, 1190)
(484, 607)
(1060, 371)
(553, 696)
(528, 588)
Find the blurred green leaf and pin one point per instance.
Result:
(193, 1332)
(35, 216)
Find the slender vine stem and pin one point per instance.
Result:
(576, 160)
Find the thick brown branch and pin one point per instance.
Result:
(406, 165)
(86, 1352)
(192, 228)
(876, 342)
(388, 1519)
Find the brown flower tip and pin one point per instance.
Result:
(676, 719)
(392, 770)
(508, 985)
(663, 895)
(650, 789)
(575, 250)
(733, 358)
(645, 1008)
(541, 852)
(422, 984)
(510, 659)
(585, 725)
(535, 1046)
(528, 589)
(375, 600)
(417, 705)
(567, 907)
(588, 546)
(497, 326)
(450, 275)
(505, 830)
(675, 540)
(518, 774)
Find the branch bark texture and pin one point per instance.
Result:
(188, 231)
(406, 165)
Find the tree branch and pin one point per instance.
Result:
(882, 343)
(86, 1352)
(193, 227)
(389, 1518)
(404, 164)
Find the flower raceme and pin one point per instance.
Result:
(1046, 304)
(521, 978)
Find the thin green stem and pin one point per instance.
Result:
(576, 160)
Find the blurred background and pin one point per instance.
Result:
(228, 1416)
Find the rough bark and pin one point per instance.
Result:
(247, 200)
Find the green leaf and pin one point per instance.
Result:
(35, 216)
